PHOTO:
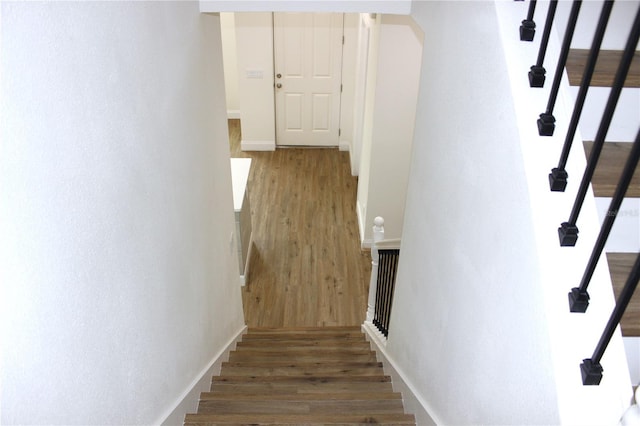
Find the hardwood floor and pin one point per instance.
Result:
(307, 269)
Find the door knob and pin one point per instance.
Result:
(278, 85)
(279, 75)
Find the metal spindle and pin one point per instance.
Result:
(547, 122)
(568, 231)
(591, 368)
(579, 297)
(558, 176)
(537, 73)
(528, 27)
(388, 266)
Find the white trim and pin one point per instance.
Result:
(413, 404)
(258, 145)
(364, 243)
(345, 146)
(245, 276)
(187, 402)
(397, 7)
(233, 114)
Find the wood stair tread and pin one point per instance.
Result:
(297, 419)
(620, 265)
(301, 388)
(270, 358)
(606, 67)
(326, 344)
(308, 330)
(346, 335)
(609, 169)
(301, 380)
(293, 364)
(211, 396)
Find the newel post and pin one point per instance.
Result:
(378, 235)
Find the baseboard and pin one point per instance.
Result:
(413, 404)
(258, 145)
(233, 114)
(344, 146)
(188, 401)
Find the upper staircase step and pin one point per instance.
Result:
(620, 265)
(301, 376)
(609, 169)
(606, 68)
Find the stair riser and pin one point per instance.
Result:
(270, 358)
(301, 407)
(325, 396)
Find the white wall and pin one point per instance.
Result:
(389, 122)
(119, 283)
(254, 41)
(230, 62)
(480, 322)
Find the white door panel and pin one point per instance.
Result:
(308, 66)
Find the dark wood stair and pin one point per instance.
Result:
(301, 376)
(606, 67)
(609, 168)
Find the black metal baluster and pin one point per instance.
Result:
(537, 73)
(558, 176)
(568, 231)
(388, 290)
(578, 296)
(379, 289)
(591, 369)
(382, 289)
(390, 287)
(547, 122)
(382, 285)
(528, 27)
(394, 273)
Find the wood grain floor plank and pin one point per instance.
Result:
(307, 268)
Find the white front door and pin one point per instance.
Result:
(308, 67)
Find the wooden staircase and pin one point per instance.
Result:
(301, 376)
(609, 168)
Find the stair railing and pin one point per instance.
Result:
(558, 176)
(568, 231)
(591, 369)
(537, 74)
(547, 122)
(385, 255)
